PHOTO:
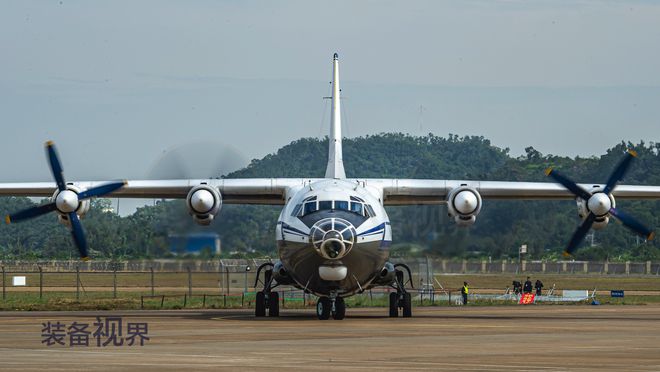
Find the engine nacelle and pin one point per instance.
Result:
(464, 204)
(203, 202)
(67, 201)
(599, 204)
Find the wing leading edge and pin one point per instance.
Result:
(233, 191)
(420, 191)
(275, 191)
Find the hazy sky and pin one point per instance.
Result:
(116, 84)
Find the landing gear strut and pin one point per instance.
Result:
(327, 306)
(401, 299)
(266, 298)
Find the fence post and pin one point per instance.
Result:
(449, 298)
(114, 281)
(227, 281)
(189, 282)
(152, 280)
(4, 280)
(41, 283)
(204, 301)
(78, 282)
(224, 300)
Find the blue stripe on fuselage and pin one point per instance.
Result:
(373, 230)
(292, 230)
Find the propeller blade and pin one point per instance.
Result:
(30, 213)
(619, 171)
(101, 190)
(569, 184)
(579, 234)
(78, 236)
(55, 165)
(631, 223)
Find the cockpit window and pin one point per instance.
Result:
(296, 210)
(356, 207)
(325, 205)
(370, 210)
(341, 204)
(310, 207)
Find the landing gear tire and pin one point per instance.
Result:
(407, 305)
(260, 304)
(274, 304)
(340, 309)
(323, 308)
(394, 306)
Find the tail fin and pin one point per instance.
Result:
(335, 167)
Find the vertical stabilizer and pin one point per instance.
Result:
(335, 167)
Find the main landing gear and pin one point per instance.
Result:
(401, 299)
(266, 298)
(334, 306)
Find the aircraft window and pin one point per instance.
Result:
(341, 204)
(296, 210)
(356, 207)
(325, 205)
(310, 207)
(355, 198)
(370, 210)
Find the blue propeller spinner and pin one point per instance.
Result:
(599, 204)
(66, 201)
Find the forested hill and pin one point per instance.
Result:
(501, 227)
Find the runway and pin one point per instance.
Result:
(489, 338)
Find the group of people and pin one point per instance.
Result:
(519, 288)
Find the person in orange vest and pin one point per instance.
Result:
(464, 292)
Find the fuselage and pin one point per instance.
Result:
(333, 237)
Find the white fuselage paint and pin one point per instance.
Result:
(308, 267)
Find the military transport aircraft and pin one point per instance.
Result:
(333, 234)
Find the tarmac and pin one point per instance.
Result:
(461, 338)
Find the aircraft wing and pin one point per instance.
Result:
(233, 191)
(274, 190)
(420, 191)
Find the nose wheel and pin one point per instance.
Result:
(326, 307)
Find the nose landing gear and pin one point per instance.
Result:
(335, 306)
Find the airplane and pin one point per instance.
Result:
(333, 234)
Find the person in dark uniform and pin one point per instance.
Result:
(517, 287)
(464, 292)
(527, 288)
(538, 286)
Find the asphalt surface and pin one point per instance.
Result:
(506, 338)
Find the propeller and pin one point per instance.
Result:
(599, 203)
(66, 201)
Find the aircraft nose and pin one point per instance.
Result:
(333, 238)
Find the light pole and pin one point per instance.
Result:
(247, 270)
